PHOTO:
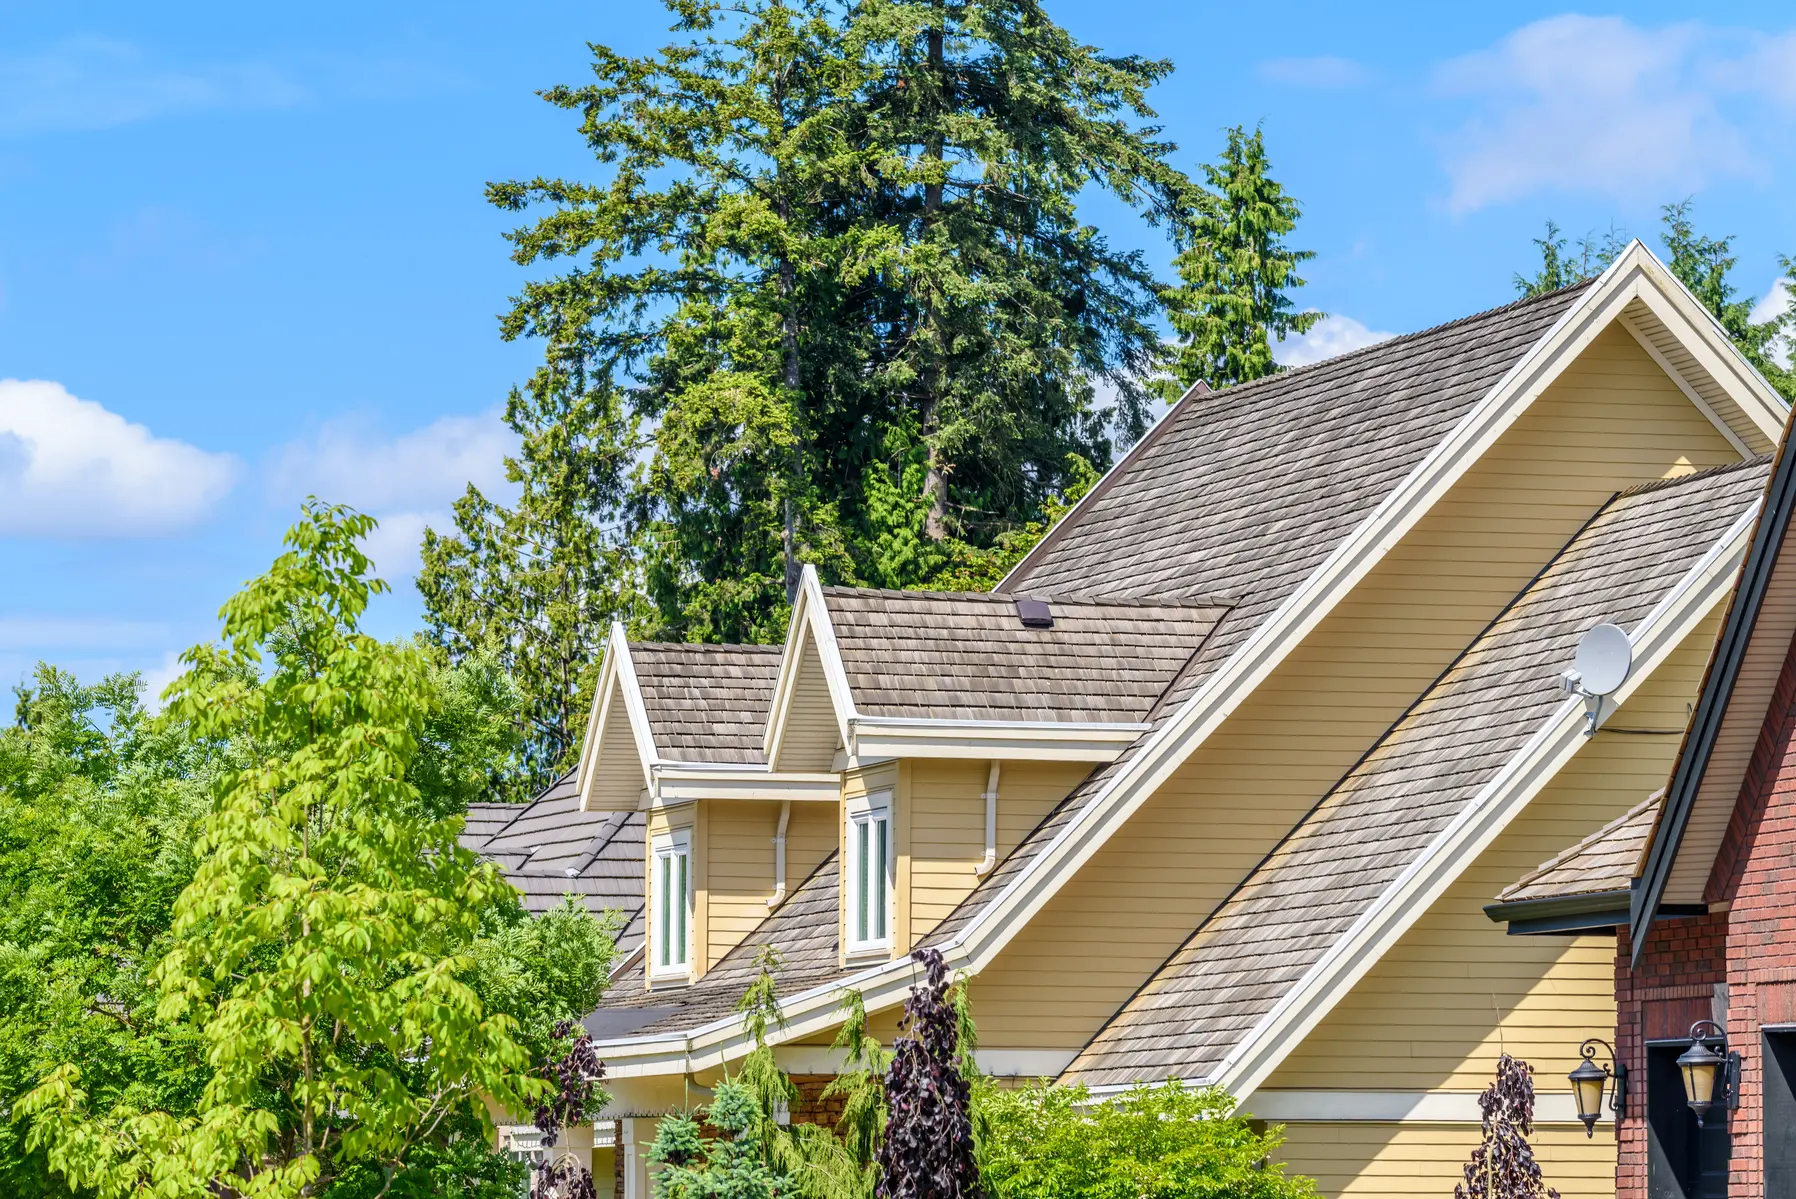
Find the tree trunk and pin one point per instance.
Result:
(789, 341)
(935, 479)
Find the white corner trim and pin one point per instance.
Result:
(815, 1011)
(617, 684)
(1396, 1107)
(810, 621)
(1697, 593)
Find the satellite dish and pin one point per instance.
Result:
(1604, 659)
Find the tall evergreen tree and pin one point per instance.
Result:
(537, 584)
(1235, 270)
(1562, 265)
(1704, 265)
(986, 121)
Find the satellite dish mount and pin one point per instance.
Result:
(1605, 659)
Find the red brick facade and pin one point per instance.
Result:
(1736, 965)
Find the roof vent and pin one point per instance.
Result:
(1035, 614)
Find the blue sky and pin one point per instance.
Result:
(244, 255)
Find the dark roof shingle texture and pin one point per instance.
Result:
(1331, 869)
(967, 656)
(706, 703)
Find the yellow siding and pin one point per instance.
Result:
(946, 824)
(1424, 1017)
(811, 734)
(1612, 421)
(1362, 1161)
(739, 861)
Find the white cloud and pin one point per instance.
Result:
(1774, 303)
(1326, 71)
(157, 678)
(91, 83)
(70, 468)
(1327, 338)
(1599, 104)
(406, 482)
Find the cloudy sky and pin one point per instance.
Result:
(244, 257)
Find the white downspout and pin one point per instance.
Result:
(991, 822)
(779, 857)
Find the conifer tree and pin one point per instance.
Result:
(1704, 265)
(1235, 271)
(1561, 265)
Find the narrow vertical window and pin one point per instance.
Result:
(670, 908)
(868, 889)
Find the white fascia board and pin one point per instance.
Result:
(877, 737)
(1558, 739)
(1690, 393)
(617, 684)
(678, 784)
(1706, 340)
(810, 620)
(999, 1063)
(1283, 631)
(1397, 1107)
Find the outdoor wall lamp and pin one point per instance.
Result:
(1589, 1080)
(1711, 1080)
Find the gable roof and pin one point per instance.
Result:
(968, 656)
(706, 703)
(1196, 1017)
(1725, 727)
(1584, 888)
(549, 848)
(1293, 576)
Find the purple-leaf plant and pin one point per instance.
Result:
(574, 1075)
(1503, 1165)
(928, 1148)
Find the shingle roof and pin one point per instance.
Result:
(967, 656)
(1331, 869)
(706, 703)
(1601, 863)
(804, 929)
(1245, 492)
(549, 848)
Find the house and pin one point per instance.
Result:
(1698, 887)
(1214, 787)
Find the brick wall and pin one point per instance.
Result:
(1737, 965)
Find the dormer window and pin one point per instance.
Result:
(670, 906)
(870, 873)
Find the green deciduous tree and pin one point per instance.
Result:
(322, 962)
(1165, 1142)
(1235, 271)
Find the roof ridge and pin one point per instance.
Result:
(1706, 472)
(1405, 338)
(1010, 597)
(721, 646)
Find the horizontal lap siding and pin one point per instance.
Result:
(1362, 1161)
(811, 733)
(1424, 1017)
(739, 863)
(1188, 846)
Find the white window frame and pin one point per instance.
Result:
(670, 927)
(868, 910)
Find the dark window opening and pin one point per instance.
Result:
(1780, 1112)
(1682, 1160)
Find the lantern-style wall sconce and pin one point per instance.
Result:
(1590, 1080)
(1711, 1079)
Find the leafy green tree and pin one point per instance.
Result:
(321, 960)
(1235, 271)
(987, 121)
(1704, 265)
(1165, 1142)
(732, 1165)
(1561, 267)
(536, 585)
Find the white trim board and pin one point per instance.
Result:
(1397, 1107)
(1634, 275)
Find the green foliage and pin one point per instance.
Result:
(534, 587)
(1235, 271)
(542, 970)
(1165, 1142)
(969, 568)
(1704, 264)
(319, 968)
(861, 1087)
(732, 1165)
(469, 738)
(1560, 267)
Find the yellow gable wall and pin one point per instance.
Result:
(810, 735)
(1424, 1018)
(1613, 420)
(616, 782)
(737, 879)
